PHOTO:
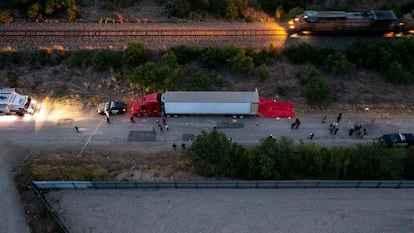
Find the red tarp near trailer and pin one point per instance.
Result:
(272, 109)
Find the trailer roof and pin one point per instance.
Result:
(211, 96)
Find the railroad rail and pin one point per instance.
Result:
(142, 32)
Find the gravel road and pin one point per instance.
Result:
(227, 210)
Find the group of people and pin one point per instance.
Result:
(161, 126)
(358, 130)
(333, 127)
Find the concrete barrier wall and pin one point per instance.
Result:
(258, 184)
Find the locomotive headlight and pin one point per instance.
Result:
(296, 19)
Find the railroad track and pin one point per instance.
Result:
(143, 33)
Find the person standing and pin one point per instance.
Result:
(339, 117)
(297, 123)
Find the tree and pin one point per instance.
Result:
(144, 77)
(135, 54)
(275, 158)
(316, 90)
(213, 154)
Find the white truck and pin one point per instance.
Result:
(12, 102)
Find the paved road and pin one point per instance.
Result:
(19, 136)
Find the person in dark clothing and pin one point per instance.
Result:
(297, 123)
(339, 117)
(351, 131)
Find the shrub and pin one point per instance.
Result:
(337, 63)
(80, 58)
(213, 154)
(396, 73)
(408, 169)
(179, 8)
(135, 54)
(144, 77)
(13, 79)
(200, 82)
(275, 158)
(5, 17)
(185, 53)
(300, 53)
(262, 72)
(241, 64)
(316, 90)
(212, 57)
(294, 12)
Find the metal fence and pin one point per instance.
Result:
(259, 184)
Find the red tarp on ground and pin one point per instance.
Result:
(272, 109)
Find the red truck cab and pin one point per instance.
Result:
(149, 106)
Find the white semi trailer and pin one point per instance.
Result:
(174, 103)
(12, 102)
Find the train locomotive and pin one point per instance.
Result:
(340, 22)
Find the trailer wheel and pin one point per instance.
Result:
(20, 113)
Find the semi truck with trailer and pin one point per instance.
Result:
(175, 103)
(12, 102)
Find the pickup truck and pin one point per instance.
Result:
(398, 139)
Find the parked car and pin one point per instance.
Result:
(398, 139)
(112, 107)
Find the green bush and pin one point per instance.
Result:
(172, 78)
(200, 82)
(14, 57)
(37, 10)
(106, 59)
(408, 169)
(135, 54)
(241, 63)
(185, 54)
(337, 63)
(5, 17)
(262, 72)
(213, 57)
(316, 90)
(300, 54)
(145, 77)
(213, 154)
(294, 12)
(179, 8)
(13, 79)
(396, 73)
(80, 58)
(276, 158)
